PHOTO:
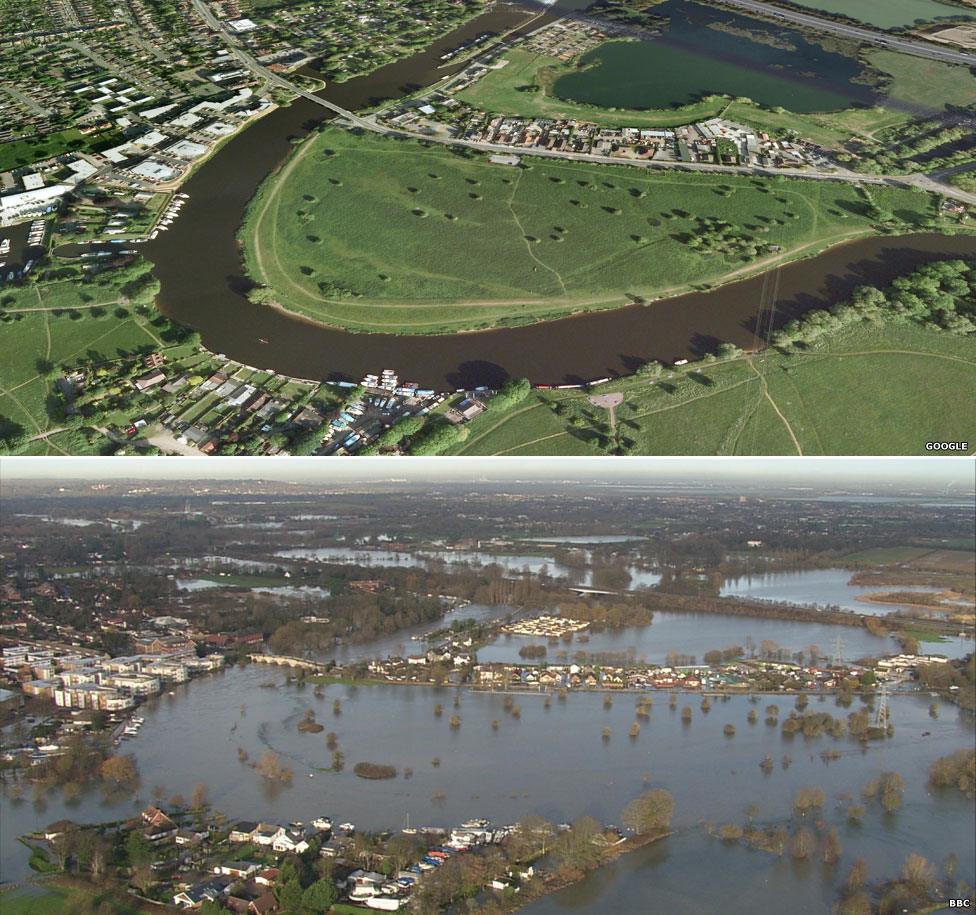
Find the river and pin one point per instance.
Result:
(199, 265)
(552, 762)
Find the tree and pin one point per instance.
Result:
(888, 787)
(199, 798)
(856, 877)
(578, 847)
(650, 369)
(808, 799)
(306, 442)
(289, 894)
(832, 848)
(319, 896)
(649, 813)
(512, 392)
(119, 770)
(918, 873)
(803, 843)
(137, 850)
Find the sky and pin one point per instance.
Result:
(955, 474)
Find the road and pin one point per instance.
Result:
(370, 123)
(868, 36)
(269, 77)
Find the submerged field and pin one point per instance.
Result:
(879, 391)
(370, 233)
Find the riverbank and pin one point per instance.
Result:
(951, 603)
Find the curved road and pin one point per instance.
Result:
(869, 36)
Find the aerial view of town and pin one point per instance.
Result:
(480, 227)
(481, 688)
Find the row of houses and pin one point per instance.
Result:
(736, 676)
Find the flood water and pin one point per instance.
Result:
(696, 633)
(199, 265)
(552, 762)
(820, 588)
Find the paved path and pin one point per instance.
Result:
(866, 35)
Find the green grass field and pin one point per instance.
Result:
(371, 233)
(887, 555)
(51, 899)
(504, 91)
(38, 338)
(18, 153)
(872, 390)
(888, 14)
(47, 325)
(911, 79)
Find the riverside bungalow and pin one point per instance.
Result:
(149, 380)
(243, 831)
(159, 828)
(190, 837)
(207, 891)
(237, 868)
(266, 834)
(295, 840)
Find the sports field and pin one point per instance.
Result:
(371, 233)
(885, 390)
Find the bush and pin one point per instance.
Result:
(374, 770)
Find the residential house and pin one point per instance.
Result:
(207, 891)
(295, 840)
(266, 834)
(237, 868)
(243, 831)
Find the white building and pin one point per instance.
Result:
(26, 205)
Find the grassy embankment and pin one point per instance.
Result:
(524, 87)
(57, 897)
(871, 390)
(374, 234)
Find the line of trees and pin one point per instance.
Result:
(939, 296)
